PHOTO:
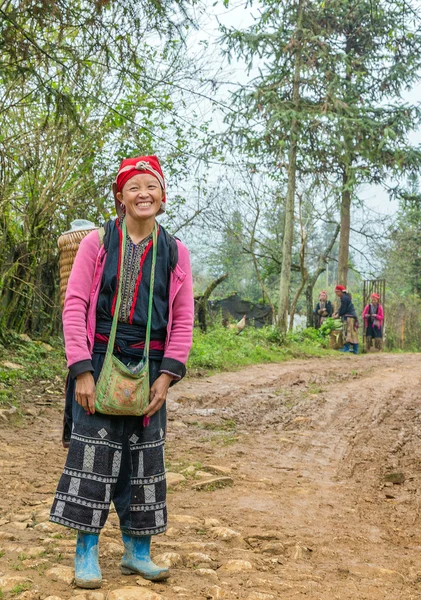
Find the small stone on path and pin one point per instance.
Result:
(186, 520)
(197, 546)
(204, 474)
(34, 551)
(211, 484)
(395, 478)
(260, 596)
(8, 582)
(112, 549)
(216, 593)
(172, 532)
(275, 548)
(178, 424)
(174, 479)
(197, 558)
(212, 522)
(168, 559)
(133, 593)
(64, 574)
(143, 582)
(211, 573)
(236, 566)
(88, 595)
(18, 525)
(217, 470)
(224, 533)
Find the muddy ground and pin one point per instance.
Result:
(321, 496)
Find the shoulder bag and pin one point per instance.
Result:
(121, 389)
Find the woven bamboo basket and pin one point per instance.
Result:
(68, 244)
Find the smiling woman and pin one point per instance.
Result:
(141, 199)
(131, 299)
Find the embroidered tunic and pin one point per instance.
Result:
(133, 313)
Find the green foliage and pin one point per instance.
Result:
(403, 322)
(81, 86)
(330, 325)
(21, 587)
(38, 364)
(222, 349)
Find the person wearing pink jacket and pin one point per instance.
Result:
(373, 316)
(121, 458)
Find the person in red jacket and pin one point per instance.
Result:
(373, 316)
(121, 458)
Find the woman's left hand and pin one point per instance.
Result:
(158, 394)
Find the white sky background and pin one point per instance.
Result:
(375, 197)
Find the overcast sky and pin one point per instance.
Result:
(375, 197)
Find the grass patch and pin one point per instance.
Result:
(226, 425)
(39, 362)
(21, 587)
(222, 349)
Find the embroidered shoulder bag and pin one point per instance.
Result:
(121, 389)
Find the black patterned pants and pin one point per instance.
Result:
(113, 458)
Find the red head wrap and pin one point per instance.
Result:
(135, 166)
(322, 293)
(340, 288)
(375, 296)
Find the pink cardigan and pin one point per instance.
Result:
(379, 315)
(79, 314)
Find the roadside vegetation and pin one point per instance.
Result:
(30, 368)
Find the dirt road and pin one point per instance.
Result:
(318, 494)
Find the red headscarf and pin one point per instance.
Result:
(340, 288)
(375, 296)
(135, 166)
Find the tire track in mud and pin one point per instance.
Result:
(340, 440)
(308, 444)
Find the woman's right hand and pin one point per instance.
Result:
(85, 391)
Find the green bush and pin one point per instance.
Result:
(222, 349)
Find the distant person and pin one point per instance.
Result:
(373, 316)
(323, 310)
(347, 313)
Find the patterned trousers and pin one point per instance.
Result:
(113, 458)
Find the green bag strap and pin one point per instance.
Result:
(111, 339)
(151, 286)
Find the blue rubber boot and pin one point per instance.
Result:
(355, 348)
(137, 558)
(345, 348)
(87, 571)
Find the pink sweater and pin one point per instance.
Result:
(379, 315)
(79, 314)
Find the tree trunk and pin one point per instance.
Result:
(322, 266)
(309, 303)
(202, 305)
(290, 199)
(343, 258)
(295, 300)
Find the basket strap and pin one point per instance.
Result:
(101, 234)
(151, 286)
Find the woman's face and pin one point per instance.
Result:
(142, 196)
(374, 301)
